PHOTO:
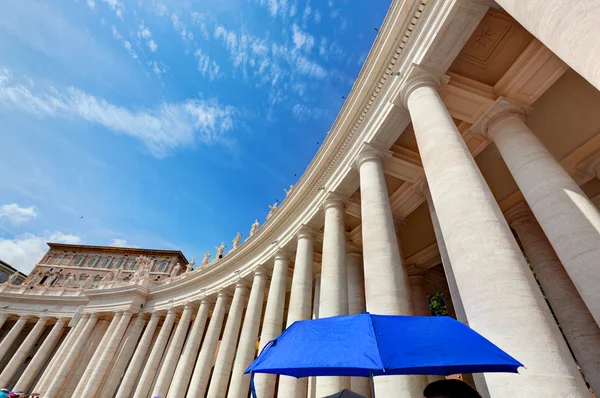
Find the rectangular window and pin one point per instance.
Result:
(79, 261)
(106, 262)
(164, 265)
(132, 264)
(120, 263)
(93, 262)
(58, 260)
(68, 260)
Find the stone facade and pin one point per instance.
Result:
(7, 270)
(466, 152)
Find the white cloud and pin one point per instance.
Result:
(91, 4)
(277, 7)
(307, 11)
(117, 6)
(152, 45)
(303, 112)
(157, 67)
(310, 68)
(318, 16)
(126, 43)
(200, 21)
(17, 214)
(118, 242)
(161, 9)
(23, 252)
(302, 40)
(162, 129)
(144, 32)
(206, 66)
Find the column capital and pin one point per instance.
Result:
(156, 314)
(172, 310)
(44, 318)
(282, 255)
(63, 319)
(188, 305)
(416, 76)
(501, 109)
(242, 284)
(305, 232)
(224, 293)
(207, 300)
(334, 200)
(353, 250)
(519, 215)
(261, 270)
(94, 315)
(371, 152)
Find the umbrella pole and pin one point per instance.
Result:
(372, 384)
(252, 389)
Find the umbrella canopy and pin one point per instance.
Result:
(345, 394)
(372, 345)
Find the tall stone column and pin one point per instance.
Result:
(59, 357)
(273, 320)
(454, 294)
(356, 305)
(185, 365)
(58, 380)
(22, 352)
(386, 284)
(334, 282)
(133, 370)
(224, 362)
(93, 362)
(420, 298)
(485, 257)
(569, 219)
(247, 346)
(167, 370)
(10, 338)
(41, 356)
(578, 325)
(3, 318)
(569, 29)
(312, 381)
(107, 356)
(203, 367)
(158, 349)
(124, 356)
(300, 306)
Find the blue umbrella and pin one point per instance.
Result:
(373, 345)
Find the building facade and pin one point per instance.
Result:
(467, 151)
(7, 271)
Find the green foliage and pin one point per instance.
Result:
(437, 304)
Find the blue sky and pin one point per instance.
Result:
(161, 123)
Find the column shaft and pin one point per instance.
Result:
(128, 383)
(185, 365)
(3, 318)
(569, 29)
(201, 376)
(41, 356)
(10, 338)
(420, 298)
(569, 219)
(172, 357)
(93, 363)
(578, 325)
(386, 284)
(224, 362)
(247, 347)
(487, 261)
(149, 373)
(66, 367)
(334, 282)
(300, 307)
(22, 352)
(312, 381)
(273, 320)
(105, 360)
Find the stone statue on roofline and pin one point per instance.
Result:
(236, 241)
(205, 259)
(88, 282)
(272, 210)
(69, 281)
(175, 270)
(12, 278)
(190, 266)
(288, 191)
(254, 228)
(220, 250)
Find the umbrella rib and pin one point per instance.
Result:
(376, 341)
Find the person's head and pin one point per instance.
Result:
(450, 389)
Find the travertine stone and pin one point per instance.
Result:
(153, 362)
(224, 362)
(474, 230)
(386, 287)
(185, 365)
(66, 367)
(167, 370)
(247, 346)
(578, 325)
(312, 381)
(568, 28)
(3, 318)
(300, 305)
(107, 355)
(569, 219)
(334, 282)
(203, 367)
(10, 338)
(19, 356)
(273, 320)
(135, 367)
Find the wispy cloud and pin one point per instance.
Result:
(162, 129)
(303, 112)
(302, 40)
(16, 214)
(117, 6)
(23, 252)
(126, 43)
(91, 4)
(144, 33)
(118, 242)
(275, 7)
(206, 66)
